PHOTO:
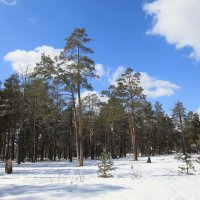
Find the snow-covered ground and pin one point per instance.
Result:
(158, 180)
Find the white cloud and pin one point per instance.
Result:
(22, 59)
(198, 111)
(100, 71)
(9, 2)
(177, 21)
(154, 87)
(116, 75)
(86, 93)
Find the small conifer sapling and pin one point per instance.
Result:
(105, 166)
(188, 168)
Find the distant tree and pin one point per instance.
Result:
(192, 129)
(72, 69)
(10, 110)
(60, 78)
(23, 113)
(128, 90)
(178, 114)
(91, 107)
(147, 126)
(171, 139)
(163, 130)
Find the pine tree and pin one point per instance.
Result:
(192, 129)
(91, 108)
(128, 90)
(105, 166)
(179, 120)
(81, 67)
(159, 128)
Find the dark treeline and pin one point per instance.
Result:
(42, 114)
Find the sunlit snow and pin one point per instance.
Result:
(134, 180)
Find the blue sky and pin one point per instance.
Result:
(160, 39)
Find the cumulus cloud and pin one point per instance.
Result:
(9, 2)
(21, 60)
(154, 87)
(177, 21)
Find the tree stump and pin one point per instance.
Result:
(8, 166)
(149, 160)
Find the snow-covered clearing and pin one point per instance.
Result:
(158, 180)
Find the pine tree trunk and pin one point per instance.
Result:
(113, 145)
(120, 147)
(134, 141)
(91, 137)
(12, 153)
(182, 135)
(34, 156)
(55, 141)
(80, 126)
(23, 141)
(8, 146)
(76, 124)
(1, 144)
(13, 145)
(19, 153)
(4, 148)
(42, 150)
(70, 136)
(133, 131)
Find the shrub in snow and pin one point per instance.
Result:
(188, 168)
(178, 156)
(198, 160)
(136, 171)
(105, 166)
(8, 166)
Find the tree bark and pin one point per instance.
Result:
(80, 125)
(91, 137)
(134, 141)
(182, 135)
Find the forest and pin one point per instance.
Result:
(44, 117)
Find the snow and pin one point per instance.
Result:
(136, 180)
